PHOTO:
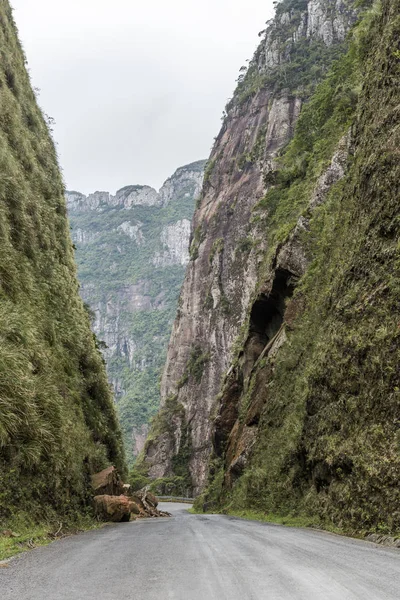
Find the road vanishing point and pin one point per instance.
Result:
(203, 557)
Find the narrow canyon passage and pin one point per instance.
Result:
(203, 557)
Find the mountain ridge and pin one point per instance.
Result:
(132, 249)
(131, 195)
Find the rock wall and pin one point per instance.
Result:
(305, 421)
(228, 245)
(132, 249)
(308, 423)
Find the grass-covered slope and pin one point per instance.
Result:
(57, 420)
(328, 443)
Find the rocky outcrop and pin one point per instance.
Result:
(111, 311)
(317, 20)
(175, 241)
(271, 315)
(134, 231)
(115, 509)
(302, 409)
(309, 426)
(132, 249)
(126, 198)
(186, 181)
(121, 509)
(139, 436)
(228, 244)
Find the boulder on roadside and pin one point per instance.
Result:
(152, 500)
(148, 498)
(137, 507)
(107, 483)
(115, 509)
(148, 503)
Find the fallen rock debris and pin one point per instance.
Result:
(114, 502)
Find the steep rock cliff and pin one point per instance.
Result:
(132, 250)
(312, 425)
(228, 245)
(307, 421)
(57, 419)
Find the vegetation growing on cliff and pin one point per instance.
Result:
(57, 420)
(325, 118)
(300, 61)
(328, 442)
(221, 283)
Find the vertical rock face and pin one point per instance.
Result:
(139, 436)
(175, 242)
(131, 251)
(228, 245)
(184, 181)
(307, 419)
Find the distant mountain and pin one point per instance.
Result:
(132, 250)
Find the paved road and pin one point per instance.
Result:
(210, 557)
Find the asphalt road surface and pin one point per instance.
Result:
(203, 557)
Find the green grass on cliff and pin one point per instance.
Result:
(329, 443)
(57, 420)
(325, 118)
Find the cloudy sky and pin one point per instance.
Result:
(136, 87)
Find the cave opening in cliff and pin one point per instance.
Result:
(268, 311)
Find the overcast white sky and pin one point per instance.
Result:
(137, 88)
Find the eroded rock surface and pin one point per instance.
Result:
(107, 482)
(116, 509)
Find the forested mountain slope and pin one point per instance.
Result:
(281, 389)
(132, 251)
(57, 419)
